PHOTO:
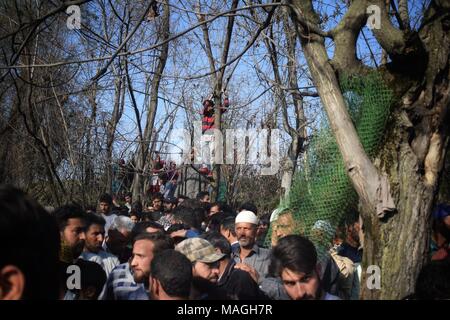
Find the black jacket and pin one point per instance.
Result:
(239, 285)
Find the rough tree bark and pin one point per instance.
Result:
(218, 87)
(143, 149)
(415, 140)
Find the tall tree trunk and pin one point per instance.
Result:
(143, 149)
(415, 142)
(119, 100)
(413, 157)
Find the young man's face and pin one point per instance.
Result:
(168, 207)
(301, 286)
(127, 199)
(104, 207)
(205, 199)
(214, 210)
(94, 238)
(74, 235)
(246, 234)
(208, 271)
(141, 260)
(262, 228)
(157, 204)
(134, 219)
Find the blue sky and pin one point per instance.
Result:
(187, 58)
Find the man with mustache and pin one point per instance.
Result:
(205, 268)
(94, 237)
(294, 261)
(249, 257)
(145, 247)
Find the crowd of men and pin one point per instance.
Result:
(177, 248)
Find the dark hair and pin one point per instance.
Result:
(157, 196)
(128, 194)
(433, 282)
(249, 206)
(194, 204)
(265, 219)
(90, 207)
(92, 275)
(223, 207)
(147, 216)
(94, 218)
(174, 271)
(66, 212)
(229, 225)
(106, 197)
(137, 207)
(31, 242)
(351, 218)
(135, 213)
(439, 226)
(186, 216)
(140, 227)
(216, 220)
(219, 242)
(160, 241)
(202, 194)
(295, 253)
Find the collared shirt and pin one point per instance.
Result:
(109, 220)
(121, 285)
(235, 246)
(258, 258)
(106, 260)
(239, 285)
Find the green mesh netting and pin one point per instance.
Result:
(321, 194)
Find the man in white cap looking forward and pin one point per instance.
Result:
(248, 253)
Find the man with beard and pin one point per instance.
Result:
(294, 261)
(351, 247)
(71, 223)
(238, 284)
(156, 210)
(105, 205)
(93, 251)
(145, 247)
(205, 268)
(249, 254)
(71, 220)
(169, 205)
(129, 281)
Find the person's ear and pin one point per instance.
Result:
(12, 283)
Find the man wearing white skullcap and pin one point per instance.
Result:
(248, 252)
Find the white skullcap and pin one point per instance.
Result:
(247, 217)
(275, 214)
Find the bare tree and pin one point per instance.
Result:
(394, 188)
(143, 150)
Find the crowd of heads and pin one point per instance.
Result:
(180, 248)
